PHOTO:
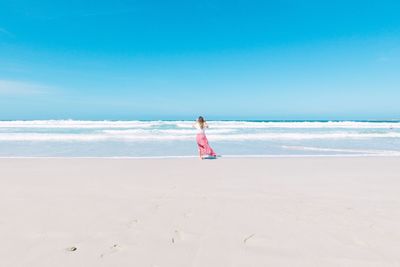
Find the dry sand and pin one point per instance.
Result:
(188, 212)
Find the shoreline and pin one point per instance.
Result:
(221, 157)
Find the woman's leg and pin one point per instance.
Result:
(200, 144)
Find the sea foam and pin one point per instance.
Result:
(178, 138)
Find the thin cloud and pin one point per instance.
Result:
(8, 87)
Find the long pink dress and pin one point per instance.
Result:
(202, 143)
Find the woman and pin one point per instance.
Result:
(204, 148)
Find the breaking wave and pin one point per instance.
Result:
(187, 124)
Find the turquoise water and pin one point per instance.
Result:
(69, 138)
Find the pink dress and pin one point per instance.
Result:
(202, 143)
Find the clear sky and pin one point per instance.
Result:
(231, 59)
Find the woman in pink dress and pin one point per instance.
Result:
(204, 148)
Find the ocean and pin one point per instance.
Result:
(73, 138)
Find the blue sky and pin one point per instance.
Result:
(178, 59)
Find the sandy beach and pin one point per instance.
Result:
(188, 212)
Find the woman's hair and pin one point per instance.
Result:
(201, 122)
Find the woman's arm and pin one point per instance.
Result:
(205, 125)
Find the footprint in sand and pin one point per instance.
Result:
(187, 214)
(254, 241)
(177, 236)
(133, 223)
(71, 249)
(114, 248)
(248, 238)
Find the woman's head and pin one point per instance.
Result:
(201, 121)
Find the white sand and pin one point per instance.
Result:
(187, 212)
